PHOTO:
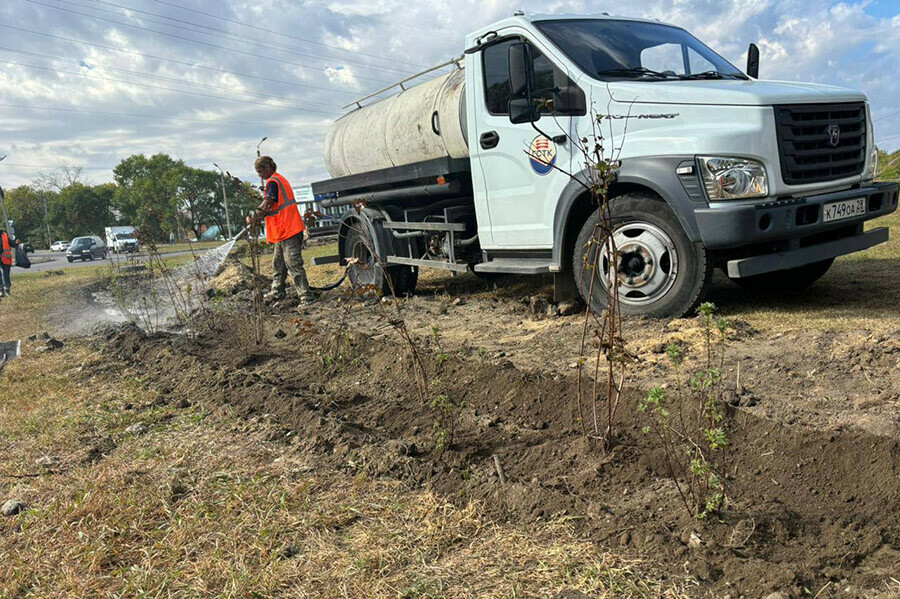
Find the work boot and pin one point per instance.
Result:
(308, 298)
(273, 296)
(2, 293)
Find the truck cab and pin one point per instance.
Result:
(768, 180)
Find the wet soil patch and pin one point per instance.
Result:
(808, 511)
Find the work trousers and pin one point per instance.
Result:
(4, 277)
(288, 260)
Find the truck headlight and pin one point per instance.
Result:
(733, 178)
(872, 171)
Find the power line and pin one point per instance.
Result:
(359, 16)
(185, 63)
(179, 91)
(249, 26)
(187, 39)
(885, 116)
(162, 78)
(220, 34)
(146, 116)
(87, 168)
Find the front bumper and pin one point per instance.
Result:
(787, 233)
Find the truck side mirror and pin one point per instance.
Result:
(522, 107)
(521, 70)
(523, 110)
(753, 61)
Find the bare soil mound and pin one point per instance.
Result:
(810, 512)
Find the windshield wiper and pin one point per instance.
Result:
(634, 71)
(710, 75)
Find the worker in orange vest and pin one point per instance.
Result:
(6, 261)
(284, 228)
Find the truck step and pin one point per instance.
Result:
(451, 266)
(425, 226)
(518, 266)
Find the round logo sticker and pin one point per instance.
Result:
(542, 155)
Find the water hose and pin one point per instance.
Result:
(334, 285)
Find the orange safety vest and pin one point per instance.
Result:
(283, 220)
(6, 256)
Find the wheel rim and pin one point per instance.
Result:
(646, 263)
(362, 270)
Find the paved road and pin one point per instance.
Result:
(58, 261)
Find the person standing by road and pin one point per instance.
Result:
(7, 245)
(284, 228)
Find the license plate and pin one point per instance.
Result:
(844, 209)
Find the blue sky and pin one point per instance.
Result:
(88, 82)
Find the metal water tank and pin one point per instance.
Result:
(420, 123)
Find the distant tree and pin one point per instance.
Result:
(242, 198)
(59, 178)
(25, 205)
(196, 197)
(82, 210)
(146, 196)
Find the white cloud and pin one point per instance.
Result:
(840, 43)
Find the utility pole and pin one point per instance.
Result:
(6, 224)
(225, 200)
(46, 217)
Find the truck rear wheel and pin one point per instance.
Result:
(659, 271)
(787, 282)
(369, 271)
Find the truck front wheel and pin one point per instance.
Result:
(786, 282)
(659, 271)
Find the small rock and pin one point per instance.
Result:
(537, 304)
(183, 404)
(458, 301)
(487, 421)
(280, 334)
(54, 344)
(569, 307)
(12, 507)
(137, 429)
(695, 542)
(777, 595)
(47, 461)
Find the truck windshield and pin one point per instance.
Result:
(614, 50)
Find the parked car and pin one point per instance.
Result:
(87, 248)
(59, 246)
(27, 248)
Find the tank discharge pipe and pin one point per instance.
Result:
(403, 193)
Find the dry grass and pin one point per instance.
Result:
(207, 505)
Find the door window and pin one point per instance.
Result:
(495, 59)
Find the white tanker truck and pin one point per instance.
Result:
(768, 180)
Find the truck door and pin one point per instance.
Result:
(517, 173)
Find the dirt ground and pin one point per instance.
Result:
(814, 480)
(812, 384)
